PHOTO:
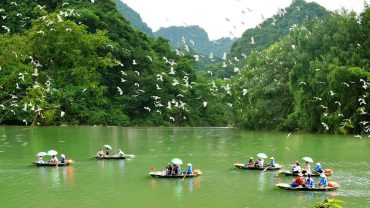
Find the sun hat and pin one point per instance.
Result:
(272, 158)
(317, 163)
(251, 158)
(189, 164)
(62, 155)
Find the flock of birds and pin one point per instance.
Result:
(179, 80)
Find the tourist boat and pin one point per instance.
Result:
(113, 157)
(47, 163)
(327, 172)
(244, 166)
(162, 174)
(332, 186)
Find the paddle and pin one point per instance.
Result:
(265, 168)
(184, 176)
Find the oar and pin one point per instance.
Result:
(266, 168)
(184, 176)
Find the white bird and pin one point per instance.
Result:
(332, 93)
(289, 135)
(110, 46)
(293, 46)
(252, 41)
(134, 62)
(66, 3)
(120, 91)
(159, 77)
(137, 84)
(147, 108)
(6, 28)
(14, 3)
(62, 113)
(158, 88)
(302, 83)
(358, 136)
(40, 32)
(338, 103)
(362, 101)
(69, 29)
(138, 73)
(172, 118)
(245, 91)
(150, 58)
(205, 104)
(123, 80)
(35, 73)
(172, 71)
(345, 83)
(325, 126)
(92, 1)
(169, 105)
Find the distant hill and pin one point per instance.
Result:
(195, 38)
(272, 29)
(134, 17)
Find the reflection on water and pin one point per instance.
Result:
(178, 193)
(68, 175)
(51, 176)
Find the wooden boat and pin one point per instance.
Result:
(47, 163)
(244, 166)
(327, 172)
(113, 157)
(286, 186)
(162, 174)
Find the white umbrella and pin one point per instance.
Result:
(176, 161)
(262, 155)
(52, 152)
(307, 159)
(42, 154)
(108, 146)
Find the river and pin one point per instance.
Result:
(126, 183)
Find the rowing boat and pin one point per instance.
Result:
(68, 162)
(244, 166)
(162, 174)
(286, 186)
(314, 174)
(113, 157)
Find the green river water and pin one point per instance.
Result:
(126, 183)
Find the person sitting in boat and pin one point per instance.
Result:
(120, 153)
(107, 151)
(250, 162)
(100, 153)
(40, 160)
(309, 182)
(63, 158)
(296, 168)
(299, 181)
(307, 168)
(54, 159)
(318, 168)
(168, 169)
(323, 181)
(175, 170)
(272, 162)
(190, 169)
(259, 163)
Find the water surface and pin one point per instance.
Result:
(91, 183)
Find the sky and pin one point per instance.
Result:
(221, 18)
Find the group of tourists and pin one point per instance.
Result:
(106, 153)
(259, 163)
(54, 159)
(175, 170)
(308, 182)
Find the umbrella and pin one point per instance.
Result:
(262, 155)
(52, 152)
(108, 146)
(176, 161)
(42, 154)
(308, 159)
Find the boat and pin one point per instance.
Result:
(327, 172)
(332, 186)
(113, 157)
(244, 166)
(68, 162)
(162, 174)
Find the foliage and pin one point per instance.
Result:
(327, 203)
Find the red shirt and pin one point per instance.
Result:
(299, 181)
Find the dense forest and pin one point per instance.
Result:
(83, 63)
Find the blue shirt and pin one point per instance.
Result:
(323, 182)
(190, 170)
(272, 163)
(318, 169)
(310, 183)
